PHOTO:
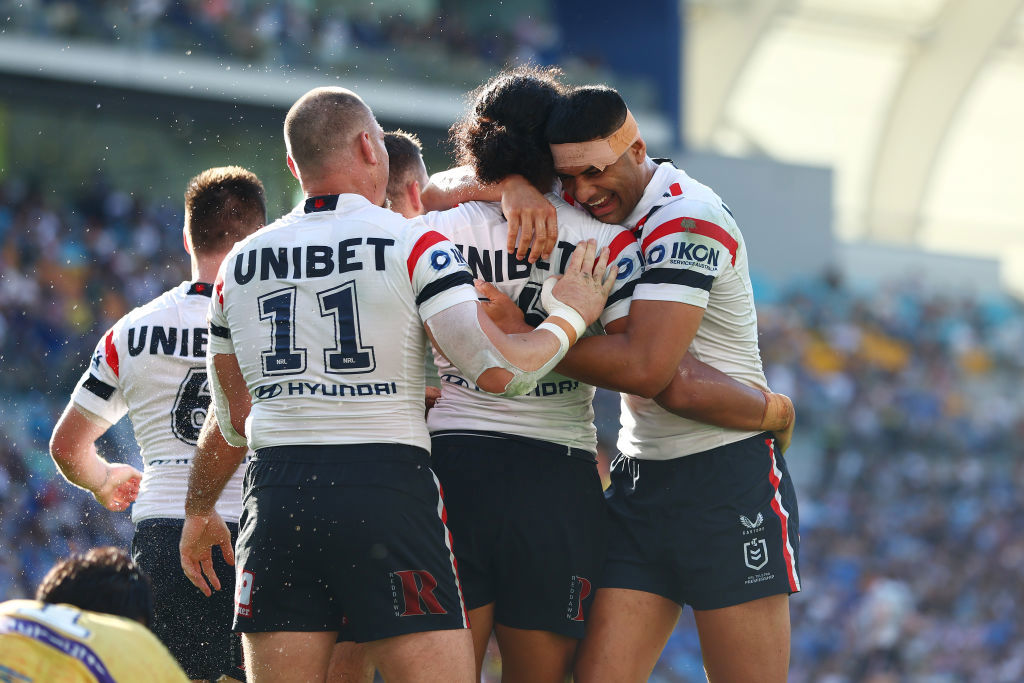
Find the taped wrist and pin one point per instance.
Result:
(554, 307)
(460, 338)
(222, 407)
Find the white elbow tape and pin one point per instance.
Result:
(564, 311)
(460, 338)
(222, 408)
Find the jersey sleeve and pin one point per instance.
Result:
(624, 252)
(220, 334)
(437, 271)
(684, 250)
(99, 389)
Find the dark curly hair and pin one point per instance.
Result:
(585, 113)
(503, 133)
(100, 580)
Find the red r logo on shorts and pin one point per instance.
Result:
(243, 598)
(579, 590)
(418, 593)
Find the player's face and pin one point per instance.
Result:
(609, 195)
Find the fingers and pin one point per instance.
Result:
(582, 259)
(547, 239)
(486, 289)
(194, 573)
(207, 566)
(609, 280)
(533, 232)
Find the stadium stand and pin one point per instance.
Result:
(909, 415)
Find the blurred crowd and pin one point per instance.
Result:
(909, 415)
(295, 32)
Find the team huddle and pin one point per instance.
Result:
(368, 536)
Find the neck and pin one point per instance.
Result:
(205, 267)
(343, 183)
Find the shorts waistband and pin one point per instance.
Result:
(550, 447)
(344, 453)
(170, 522)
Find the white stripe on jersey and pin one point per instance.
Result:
(151, 365)
(559, 410)
(325, 312)
(693, 253)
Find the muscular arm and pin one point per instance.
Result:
(641, 353)
(73, 449)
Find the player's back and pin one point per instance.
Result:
(64, 644)
(151, 364)
(559, 409)
(323, 310)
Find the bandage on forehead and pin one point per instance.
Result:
(599, 153)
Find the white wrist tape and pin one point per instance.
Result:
(563, 338)
(564, 311)
(222, 407)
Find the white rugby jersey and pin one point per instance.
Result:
(324, 310)
(151, 364)
(693, 253)
(559, 410)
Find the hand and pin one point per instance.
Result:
(501, 309)
(430, 398)
(779, 418)
(586, 283)
(532, 220)
(198, 536)
(120, 487)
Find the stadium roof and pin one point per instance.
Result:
(916, 104)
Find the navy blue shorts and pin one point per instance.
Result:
(529, 522)
(351, 533)
(712, 529)
(195, 628)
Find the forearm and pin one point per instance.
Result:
(73, 448)
(702, 393)
(611, 362)
(214, 464)
(454, 186)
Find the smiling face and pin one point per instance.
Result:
(612, 194)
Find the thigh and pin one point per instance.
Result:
(534, 656)
(432, 657)
(626, 633)
(288, 656)
(194, 628)
(746, 643)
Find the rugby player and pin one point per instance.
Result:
(407, 174)
(700, 515)
(529, 547)
(151, 364)
(316, 346)
(87, 624)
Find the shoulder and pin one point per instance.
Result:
(463, 219)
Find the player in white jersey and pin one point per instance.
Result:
(700, 515)
(151, 365)
(529, 546)
(317, 340)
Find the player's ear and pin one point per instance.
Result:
(413, 190)
(367, 150)
(638, 151)
(184, 238)
(291, 167)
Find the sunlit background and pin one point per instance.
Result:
(870, 151)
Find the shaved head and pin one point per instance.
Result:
(323, 126)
